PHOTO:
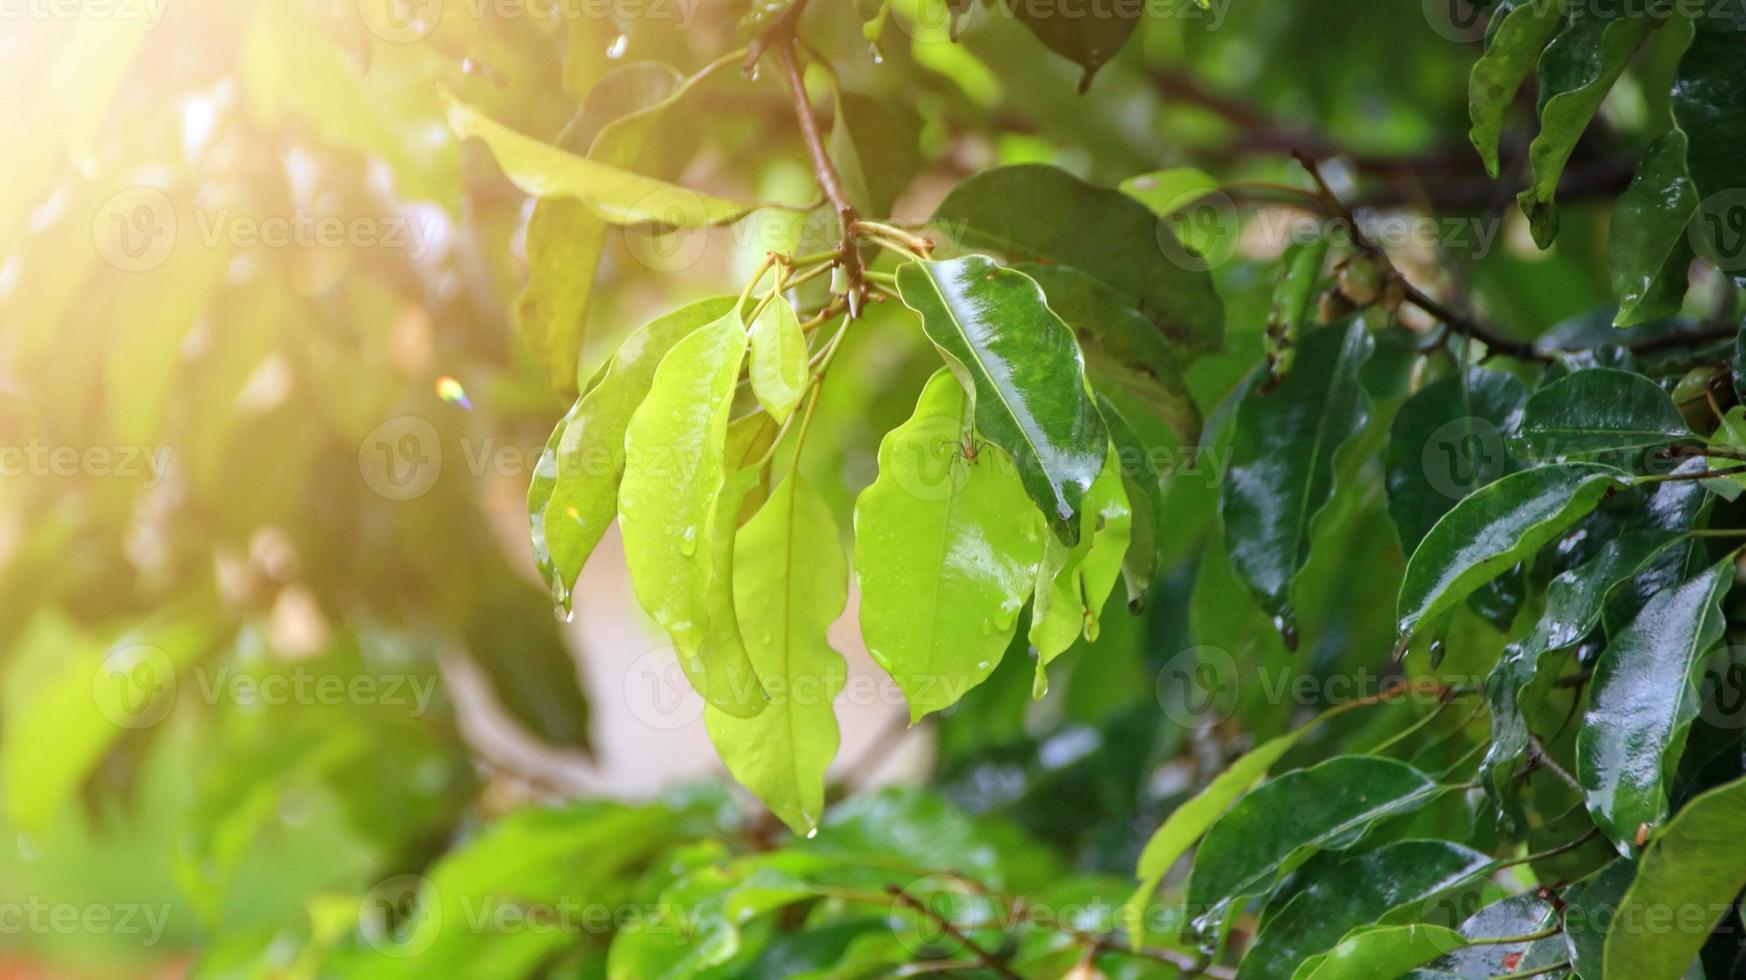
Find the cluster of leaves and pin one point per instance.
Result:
(1540, 524)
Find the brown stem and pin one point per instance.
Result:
(848, 255)
(950, 928)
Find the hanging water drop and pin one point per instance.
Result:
(617, 48)
(688, 541)
(873, 51)
(1437, 651)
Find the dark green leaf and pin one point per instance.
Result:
(1447, 441)
(1576, 71)
(1490, 531)
(874, 145)
(1518, 915)
(1145, 489)
(1647, 245)
(1642, 700)
(1575, 601)
(1023, 372)
(1592, 907)
(1088, 32)
(1341, 893)
(1282, 461)
(1707, 106)
(1597, 410)
(1032, 211)
(1274, 828)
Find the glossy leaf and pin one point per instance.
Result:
(1341, 893)
(1706, 106)
(1190, 820)
(617, 195)
(1592, 907)
(1282, 461)
(1576, 71)
(1575, 602)
(1490, 531)
(1447, 441)
(1382, 951)
(1597, 410)
(790, 582)
(1032, 211)
(946, 553)
(1647, 245)
(1073, 583)
(1023, 372)
(1120, 344)
(1329, 807)
(1518, 915)
(674, 448)
(574, 493)
(1695, 869)
(1292, 306)
(1519, 32)
(1642, 700)
(779, 357)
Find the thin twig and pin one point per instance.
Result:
(950, 928)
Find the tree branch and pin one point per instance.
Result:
(848, 254)
(951, 929)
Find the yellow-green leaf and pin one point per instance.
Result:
(946, 552)
(779, 359)
(673, 459)
(790, 581)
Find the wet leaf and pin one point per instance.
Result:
(1023, 372)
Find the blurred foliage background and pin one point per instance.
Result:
(242, 251)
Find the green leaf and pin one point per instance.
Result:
(518, 646)
(1447, 441)
(779, 358)
(1515, 916)
(1575, 602)
(946, 553)
(1591, 908)
(1642, 700)
(1073, 583)
(1490, 531)
(618, 196)
(1145, 489)
(1033, 211)
(1695, 865)
(790, 582)
(1707, 107)
(1165, 192)
(673, 460)
(69, 697)
(875, 146)
(1331, 806)
(1024, 374)
(1120, 344)
(1087, 32)
(1380, 951)
(1282, 461)
(1342, 893)
(1190, 820)
(574, 493)
(1292, 305)
(565, 237)
(1519, 32)
(1647, 245)
(1576, 71)
(1597, 410)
